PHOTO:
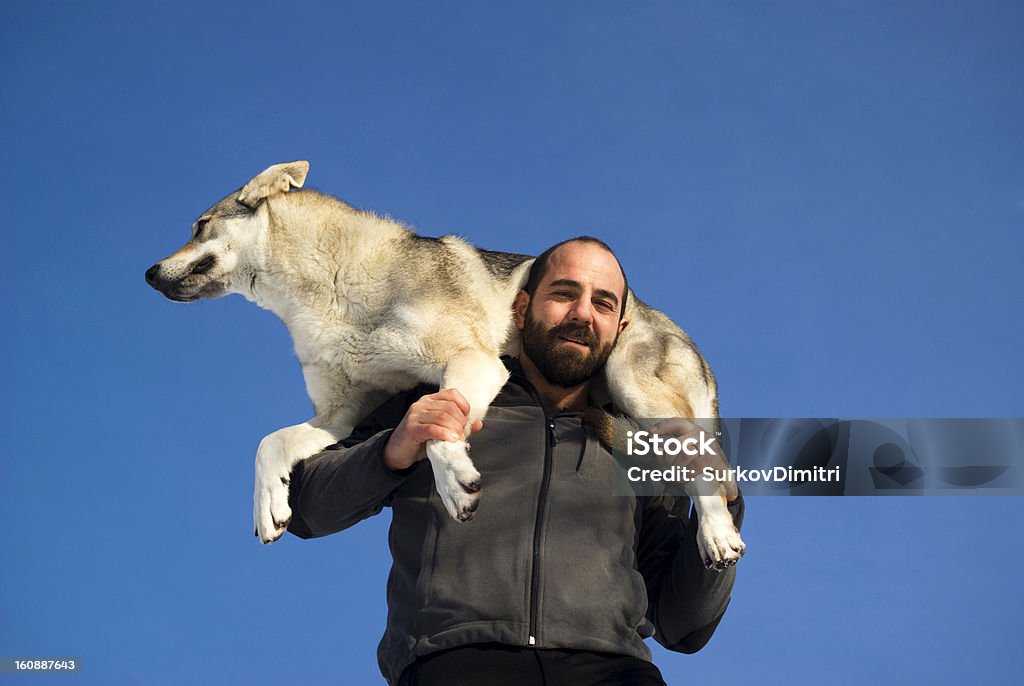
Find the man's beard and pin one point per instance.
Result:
(560, 364)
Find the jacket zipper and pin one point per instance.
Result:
(541, 511)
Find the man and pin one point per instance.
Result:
(554, 581)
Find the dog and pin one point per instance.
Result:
(373, 308)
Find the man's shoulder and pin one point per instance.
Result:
(517, 390)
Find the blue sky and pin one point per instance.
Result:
(828, 196)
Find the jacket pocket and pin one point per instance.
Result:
(585, 462)
(428, 560)
(473, 572)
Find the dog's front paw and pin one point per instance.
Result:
(719, 543)
(456, 479)
(271, 513)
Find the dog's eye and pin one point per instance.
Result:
(200, 225)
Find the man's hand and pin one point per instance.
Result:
(683, 429)
(439, 416)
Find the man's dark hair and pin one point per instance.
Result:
(540, 267)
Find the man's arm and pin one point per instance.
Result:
(354, 479)
(686, 601)
(348, 481)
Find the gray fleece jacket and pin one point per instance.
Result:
(551, 559)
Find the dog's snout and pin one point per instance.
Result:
(151, 274)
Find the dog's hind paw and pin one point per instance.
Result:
(456, 479)
(719, 543)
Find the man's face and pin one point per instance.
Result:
(571, 323)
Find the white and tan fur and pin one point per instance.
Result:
(374, 309)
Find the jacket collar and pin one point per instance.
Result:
(519, 390)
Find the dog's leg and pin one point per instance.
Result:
(277, 454)
(672, 385)
(478, 376)
(718, 540)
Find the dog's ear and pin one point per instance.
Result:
(280, 178)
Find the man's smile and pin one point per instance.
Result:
(572, 341)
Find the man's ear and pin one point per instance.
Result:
(519, 306)
(280, 178)
(623, 323)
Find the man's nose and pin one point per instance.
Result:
(582, 311)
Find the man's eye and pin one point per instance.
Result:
(606, 306)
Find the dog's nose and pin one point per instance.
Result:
(151, 274)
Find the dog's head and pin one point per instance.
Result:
(215, 260)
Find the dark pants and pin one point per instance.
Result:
(492, 664)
